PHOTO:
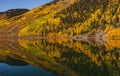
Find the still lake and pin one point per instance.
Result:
(59, 57)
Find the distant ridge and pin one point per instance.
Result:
(11, 13)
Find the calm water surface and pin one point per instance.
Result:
(59, 57)
(28, 70)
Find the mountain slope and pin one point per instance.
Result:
(81, 16)
(69, 17)
(32, 17)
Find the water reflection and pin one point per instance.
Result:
(17, 61)
(66, 57)
(29, 70)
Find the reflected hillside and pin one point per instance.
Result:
(12, 50)
(12, 61)
(64, 56)
(81, 57)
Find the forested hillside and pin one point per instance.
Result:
(69, 17)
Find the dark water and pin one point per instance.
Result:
(59, 57)
(28, 70)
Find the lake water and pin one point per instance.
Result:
(27, 70)
(59, 57)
